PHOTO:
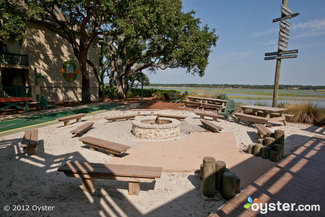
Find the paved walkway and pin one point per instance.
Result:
(186, 155)
(299, 179)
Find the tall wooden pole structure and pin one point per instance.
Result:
(282, 47)
(277, 69)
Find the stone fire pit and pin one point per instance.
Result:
(150, 128)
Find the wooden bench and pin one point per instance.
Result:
(214, 116)
(192, 104)
(82, 129)
(251, 118)
(262, 130)
(211, 126)
(90, 171)
(178, 117)
(29, 141)
(210, 106)
(68, 118)
(122, 117)
(111, 147)
(288, 117)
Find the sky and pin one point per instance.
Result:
(246, 32)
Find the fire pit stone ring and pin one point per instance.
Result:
(151, 128)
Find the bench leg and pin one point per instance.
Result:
(134, 188)
(285, 123)
(30, 150)
(78, 119)
(215, 119)
(88, 185)
(66, 123)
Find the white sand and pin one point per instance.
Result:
(34, 180)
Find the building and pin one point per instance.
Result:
(43, 64)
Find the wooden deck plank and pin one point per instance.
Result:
(299, 179)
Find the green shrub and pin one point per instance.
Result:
(108, 93)
(222, 96)
(282, 105)
(259, 103)
(307, 113)
(159, 95)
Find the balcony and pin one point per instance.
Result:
(16, 91)
(14, 59)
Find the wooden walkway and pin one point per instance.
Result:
(299, 179)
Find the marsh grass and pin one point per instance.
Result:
(307, 113)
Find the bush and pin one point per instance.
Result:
(108, 93)
(282, 105)
(307, 113)
(259, 103)
(222, 96)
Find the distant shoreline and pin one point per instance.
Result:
(282, 86)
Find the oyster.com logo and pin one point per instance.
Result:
(250, 202)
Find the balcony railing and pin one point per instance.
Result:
(17, 91)
(14, 59)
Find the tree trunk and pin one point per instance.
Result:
(120, 88)
(85, 77)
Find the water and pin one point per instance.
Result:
(254, 96)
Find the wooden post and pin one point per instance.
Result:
(265, 152)
(277, 70)
(260, 141)
(257, 149)
(228, 185)
(274, 156)
(250, 148)
(220, 169)
(134, 188)
(278, 148)
(208, 181)
(237, 189)
(279, 139)
(269, 141)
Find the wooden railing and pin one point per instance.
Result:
(14, 59)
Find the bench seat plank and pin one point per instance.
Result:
(83, 128)
(126, 117)
(132, 174)
(179, 117)
(109, 146)
(251, 118)
(97, 170)
(215, 115)
(72, 117)
(262, 130)
(209, 105)
(211, 126)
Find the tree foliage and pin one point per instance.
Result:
(12, 21)
(163, 37)
(139, 35)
